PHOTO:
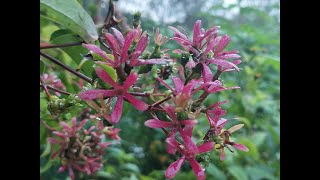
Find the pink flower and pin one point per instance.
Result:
(52, 80)
(120, 46)
(119, 91)
(109, 131)
(159, 39)
(103, 110)
(79, 149)
(188, 150)
(208, 85)
(210, 51)
(225, 135)
(214, 112)
(182, 93)
(174, 124)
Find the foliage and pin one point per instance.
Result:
(142, 151)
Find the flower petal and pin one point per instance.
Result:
(141, 46)
(223, 63)
(188, 122)
(206, 147)
(196, 32)
(229, 56)
(53, 141)
(240, 147)
(97, 50)
(155, 123)
(117, 112)
(131, 79)
(171, 149)
(206, 73)
(174, 168)
(209, 48)
(104, 144)
(171, 112)
(197, 169)
(102, 74)
(140, 105)
(71, 173)
(220, 124)
(235, 128)
(118, 36)
(178, 84)
(177, 33)
(62, 168)
(94, 94)
(166, 85)
(112, 42)
(177, 51)
(189, 144)
(223, 43)
(217, 104)
(127, 42)
(208, 32)
(182, 41)
(187, 130)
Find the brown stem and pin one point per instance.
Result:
(208, 135)
(47, 126)
(60, 45)
(155, 117)
(121, 73)
(140, 94)
(56, 61)
(44, 87)
(160, 102)
(58, 90)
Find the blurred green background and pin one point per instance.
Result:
(254, 28)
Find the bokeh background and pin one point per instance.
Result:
(254, 27)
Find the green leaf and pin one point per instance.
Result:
(75, 52)
(259, 138)
(42, 67)
(257, 173)
(71, 15)
(215, 172)
(112, 73)
(131, 167)
(46, 151)
(253, 150)
(238, 172)
(46, 167)
(60, 32)
(104, 174)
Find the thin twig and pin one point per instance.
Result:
(60, 45)
(56, 61)
(144, 94)
(155, 117)
(58, 90)
(44, 87)
(47, 126)
(160, 102)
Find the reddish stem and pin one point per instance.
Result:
(60, 45)
(56, 61)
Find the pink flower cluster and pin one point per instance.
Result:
(79, 148)
(52, 80)
(82, 149)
